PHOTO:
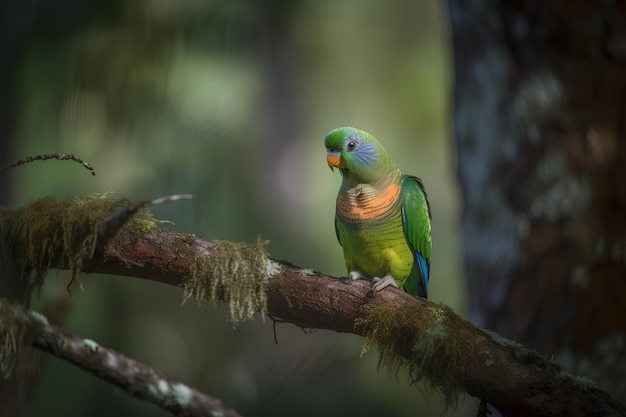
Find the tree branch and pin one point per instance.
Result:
(436, 345)
(510, 377)
(133, 376)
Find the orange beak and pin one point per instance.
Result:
(334, 160)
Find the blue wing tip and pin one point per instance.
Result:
(424, 268)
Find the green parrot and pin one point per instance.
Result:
(382, 217)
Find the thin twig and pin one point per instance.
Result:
(110, 226)
(59, 156)
(168, 198)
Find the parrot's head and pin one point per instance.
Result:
(357, 154)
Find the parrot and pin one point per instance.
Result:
(382, 217)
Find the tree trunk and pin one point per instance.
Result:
(539, 117)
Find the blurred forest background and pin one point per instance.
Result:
(230, 101)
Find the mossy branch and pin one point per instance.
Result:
(67, 234)
(450, 354)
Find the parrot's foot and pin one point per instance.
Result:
(354, 275)
(384, 282)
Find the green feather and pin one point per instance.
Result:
(416, 224)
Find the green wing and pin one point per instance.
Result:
(416, 225)
(337, 230)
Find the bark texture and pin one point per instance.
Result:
(539, 110)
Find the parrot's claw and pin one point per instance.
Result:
(354, 275)
(384, 282)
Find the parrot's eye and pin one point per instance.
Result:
(351, 145)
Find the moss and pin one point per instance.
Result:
(581, 382)
(161, 393)
(14, 335)
(153, 391)
(272, 268)
(52, 232)
(169, 395)
(520, 351)
(91, 344)
(182, 394)
(423, 343)
(40, 318)
(233, 272)
(12, 340)
(144, 223)
(145, 226)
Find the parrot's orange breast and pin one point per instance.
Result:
(364, 203)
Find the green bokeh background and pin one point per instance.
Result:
(230, 101)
